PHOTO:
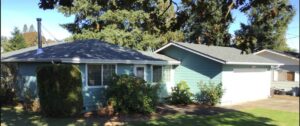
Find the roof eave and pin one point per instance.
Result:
(190, 50)
(280, 54)
(253, 63)
(94, 61)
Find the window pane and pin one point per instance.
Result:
(94, 75)
(140, 72)
(108, 71)
(166, 73)
(157, 74)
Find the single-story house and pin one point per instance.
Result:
(244, 77)
(287, 75)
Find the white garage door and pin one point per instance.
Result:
(245, 84)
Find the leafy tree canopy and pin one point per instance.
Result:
(268, 22)
(16, 42)
(149, 24)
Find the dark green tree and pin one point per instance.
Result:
(25, 28)
(268, 22)
(31, 28)
(16, 42)
(206, 22)
(139, 24)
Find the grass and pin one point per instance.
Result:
(248, 117)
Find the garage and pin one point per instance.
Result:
(245, 84)
(244, 77)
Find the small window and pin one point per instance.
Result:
(108, 71)
(290, 76)
(140, 72)
(157, 74)
(94, 75)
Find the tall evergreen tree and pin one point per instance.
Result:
(207, 22)
(31, 28)
(268, 22)
(16, 42)
(25, 28)
(139, 24)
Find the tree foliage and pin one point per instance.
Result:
(268, 22)
(25, 28)
(136, 24)
(132, 23)
(31, 28)
(31, 38)
(206, 22)
(16, 42)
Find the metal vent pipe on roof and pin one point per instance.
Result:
(39, 50)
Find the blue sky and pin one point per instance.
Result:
(20, 12)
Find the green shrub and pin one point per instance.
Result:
(180, 94)
(130, 94)
(210, 94)
(60, 90)
(8, 84)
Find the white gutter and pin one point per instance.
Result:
(77, 60)
(251, 63)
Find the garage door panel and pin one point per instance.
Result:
(243, 85)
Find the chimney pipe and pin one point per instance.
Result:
(39, 50)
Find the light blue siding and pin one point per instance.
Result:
(92, 97)
(194, 68)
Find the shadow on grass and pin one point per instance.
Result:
(204, 116)
(191, 117)
(11, 116)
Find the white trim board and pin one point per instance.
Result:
(145, 70)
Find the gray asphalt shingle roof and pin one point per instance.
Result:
(84, 50)
(225, 54)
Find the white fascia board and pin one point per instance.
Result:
(251, 63)
(162, 48)
(190, 50)
(270, 51)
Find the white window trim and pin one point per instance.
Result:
(145, 71)
(87, 75)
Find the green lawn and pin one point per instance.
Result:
(249, 117)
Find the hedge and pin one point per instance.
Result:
(60, 90)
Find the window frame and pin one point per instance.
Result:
(87, 76)
(152, 73)
(145, 71)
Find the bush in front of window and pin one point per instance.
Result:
(180, 94)
(130, 94)
(210, 93)
(60, 90)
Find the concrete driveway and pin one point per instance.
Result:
(277, 102)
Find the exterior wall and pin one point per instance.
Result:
(93, 97)
(245, 83)
(289, 64)
(193, 68)
(297, 77)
